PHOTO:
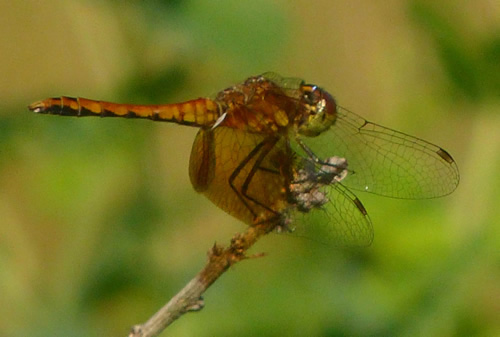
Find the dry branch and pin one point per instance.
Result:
(190, 297)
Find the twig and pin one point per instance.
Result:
(189, 298)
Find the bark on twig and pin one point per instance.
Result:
(189, 298)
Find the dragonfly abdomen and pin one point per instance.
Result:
(197, 112)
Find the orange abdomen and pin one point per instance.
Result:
(197, 112)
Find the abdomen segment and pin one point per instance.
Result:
(197, 112)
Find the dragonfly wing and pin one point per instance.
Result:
(342, 221)
(387, 162)
(228, 167)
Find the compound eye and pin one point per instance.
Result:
(310, 94)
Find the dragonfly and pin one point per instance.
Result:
(281, 152)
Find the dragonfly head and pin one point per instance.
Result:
(318, 110)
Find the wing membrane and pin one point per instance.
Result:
(387, 162)
(343, 221)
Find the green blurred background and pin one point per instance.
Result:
(99, 225)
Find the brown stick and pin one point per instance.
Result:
(189, 298)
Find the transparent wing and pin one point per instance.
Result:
(342, 221)
(387, 162)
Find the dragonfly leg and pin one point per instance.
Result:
(268, 146)
(261, 151)
(332, 162)
(307, 150)
(237, 171)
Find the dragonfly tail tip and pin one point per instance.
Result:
(37, 107)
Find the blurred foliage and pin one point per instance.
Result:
(472, 65)
(99, 226)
